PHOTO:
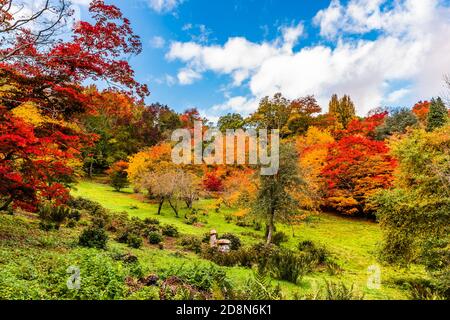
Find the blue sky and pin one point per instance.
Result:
(224, 55)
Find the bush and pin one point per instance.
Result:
(235, 241)
(279, 238)
(316, 253)
(192, 243)
(154, 238)
(170, 231)
(92, 207)
(52, 217)
(151, 221)
(134, 241)
(333, 268)
(202, 277)
(259, 287)
(339, 291)
(93, 237)
(118, 177)
(288, 266)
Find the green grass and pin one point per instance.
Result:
(353, 243)
(33, 262)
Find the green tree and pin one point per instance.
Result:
(415, 216)
(272, 113)
(274, 200)
(230, 121)
(342, 109)
(438, 114)
(333, 106)
(397, 122)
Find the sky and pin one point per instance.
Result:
(223, 56)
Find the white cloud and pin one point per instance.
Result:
(157, 42)
(237, 104)
(82, 2)
(397, 95)
(188, 76)
(410, 46)
(163, 6)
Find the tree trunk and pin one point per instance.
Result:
(6, 204)
(271, 225)
(160, 206)
(173, 208)
(91, 169)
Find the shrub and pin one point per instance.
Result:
(339, 291)
(52, 217)
(118, 175)
(191, 243)
(134, 241)
(288, 266)
(244, 257)
(306, 245)
(154, 238)
(93, 237)
(317, 253)
(259, 287)
(170, 231)
(332, 291)
(151, 221)
(279, 238)
(151, 228)
(235, 241)
(92, 207)
(191, 219)
(333, 268)
(202, 277)
(71, 224)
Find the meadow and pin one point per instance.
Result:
(27, 254)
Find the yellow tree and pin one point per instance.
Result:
(313, 151)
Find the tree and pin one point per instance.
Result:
(313, 151)
(274, 199)
(438, 114)
(356, 168)
(37, 158)
(398, 121)
(212, 182)
(169, 185)
(32, 167)
(118, 175)
(333, 106)
(421, 109)
(272, 113)
(415, 215)
(343, 110)
(301, 114)
(37, 26)
(231, 121)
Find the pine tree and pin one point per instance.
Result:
(438, 114)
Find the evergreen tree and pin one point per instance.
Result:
(438, 114)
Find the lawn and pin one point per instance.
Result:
(353, 242)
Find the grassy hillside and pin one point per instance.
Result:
(34, 262)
